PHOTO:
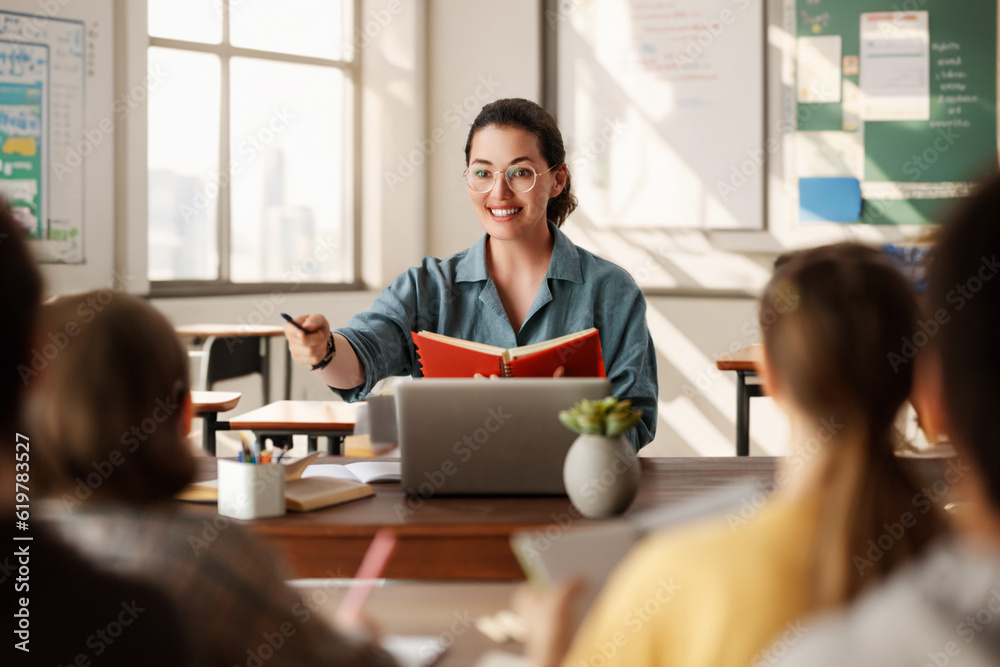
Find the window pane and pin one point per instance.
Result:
(302, 27)
(288, 163)
(191, 20)
(184, 166)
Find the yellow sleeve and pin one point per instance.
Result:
(634, 617)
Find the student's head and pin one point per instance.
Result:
(964, 294)
(526, 130)
(833, 321)
(112, 408)
(20, 298)
(831, 317)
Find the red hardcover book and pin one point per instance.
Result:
(446, 357)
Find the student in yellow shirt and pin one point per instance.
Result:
(844, 513)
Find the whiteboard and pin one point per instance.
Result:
(661, 106)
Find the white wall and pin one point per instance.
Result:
(477, 52)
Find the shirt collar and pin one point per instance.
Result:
(565, 264)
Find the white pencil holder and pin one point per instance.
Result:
(249, 491)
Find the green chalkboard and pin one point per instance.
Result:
(958, 142)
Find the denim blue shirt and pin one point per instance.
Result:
(457, 297)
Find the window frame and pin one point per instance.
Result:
(223, 285)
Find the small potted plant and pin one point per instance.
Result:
(601, 471)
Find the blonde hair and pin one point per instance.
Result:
(832, 317)
(109, 410)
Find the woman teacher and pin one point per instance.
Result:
(523, 282)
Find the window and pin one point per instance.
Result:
(251, 144)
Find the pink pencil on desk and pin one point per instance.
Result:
(372, 565)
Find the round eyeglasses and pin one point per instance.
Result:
(520, 177)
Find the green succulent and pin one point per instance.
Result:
(607, 416)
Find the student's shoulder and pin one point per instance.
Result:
(712, 543)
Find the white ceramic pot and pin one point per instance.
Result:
(601, 475)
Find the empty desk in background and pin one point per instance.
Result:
(235, 350)
(462, 537)
(744, 362)
(281, 420)
(208, 405)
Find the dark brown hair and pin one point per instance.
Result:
(528, 116)
(831, 318)
(963, 282)
(22, 292)
(109, 413)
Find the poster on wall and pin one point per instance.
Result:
(41, 115)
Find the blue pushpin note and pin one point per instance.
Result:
(829, 199)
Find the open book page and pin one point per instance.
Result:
(578, 354)
(368, 472)
(447, 357)
(526, 350)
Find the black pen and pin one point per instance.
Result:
(296, 324)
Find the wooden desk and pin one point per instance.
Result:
(208, 405)
(237, 333)
(462, 537)
(283, 419)
(439, 609)
(744, 362)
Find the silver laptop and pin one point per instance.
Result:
(487, 437)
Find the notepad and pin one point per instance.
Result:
(367, 472)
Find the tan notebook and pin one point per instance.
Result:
(301, 494)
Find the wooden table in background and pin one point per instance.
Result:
(462, 537)
(744, 362)
(239, 332)
(283, 419)
(208, 405)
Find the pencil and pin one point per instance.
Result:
(372, 565)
